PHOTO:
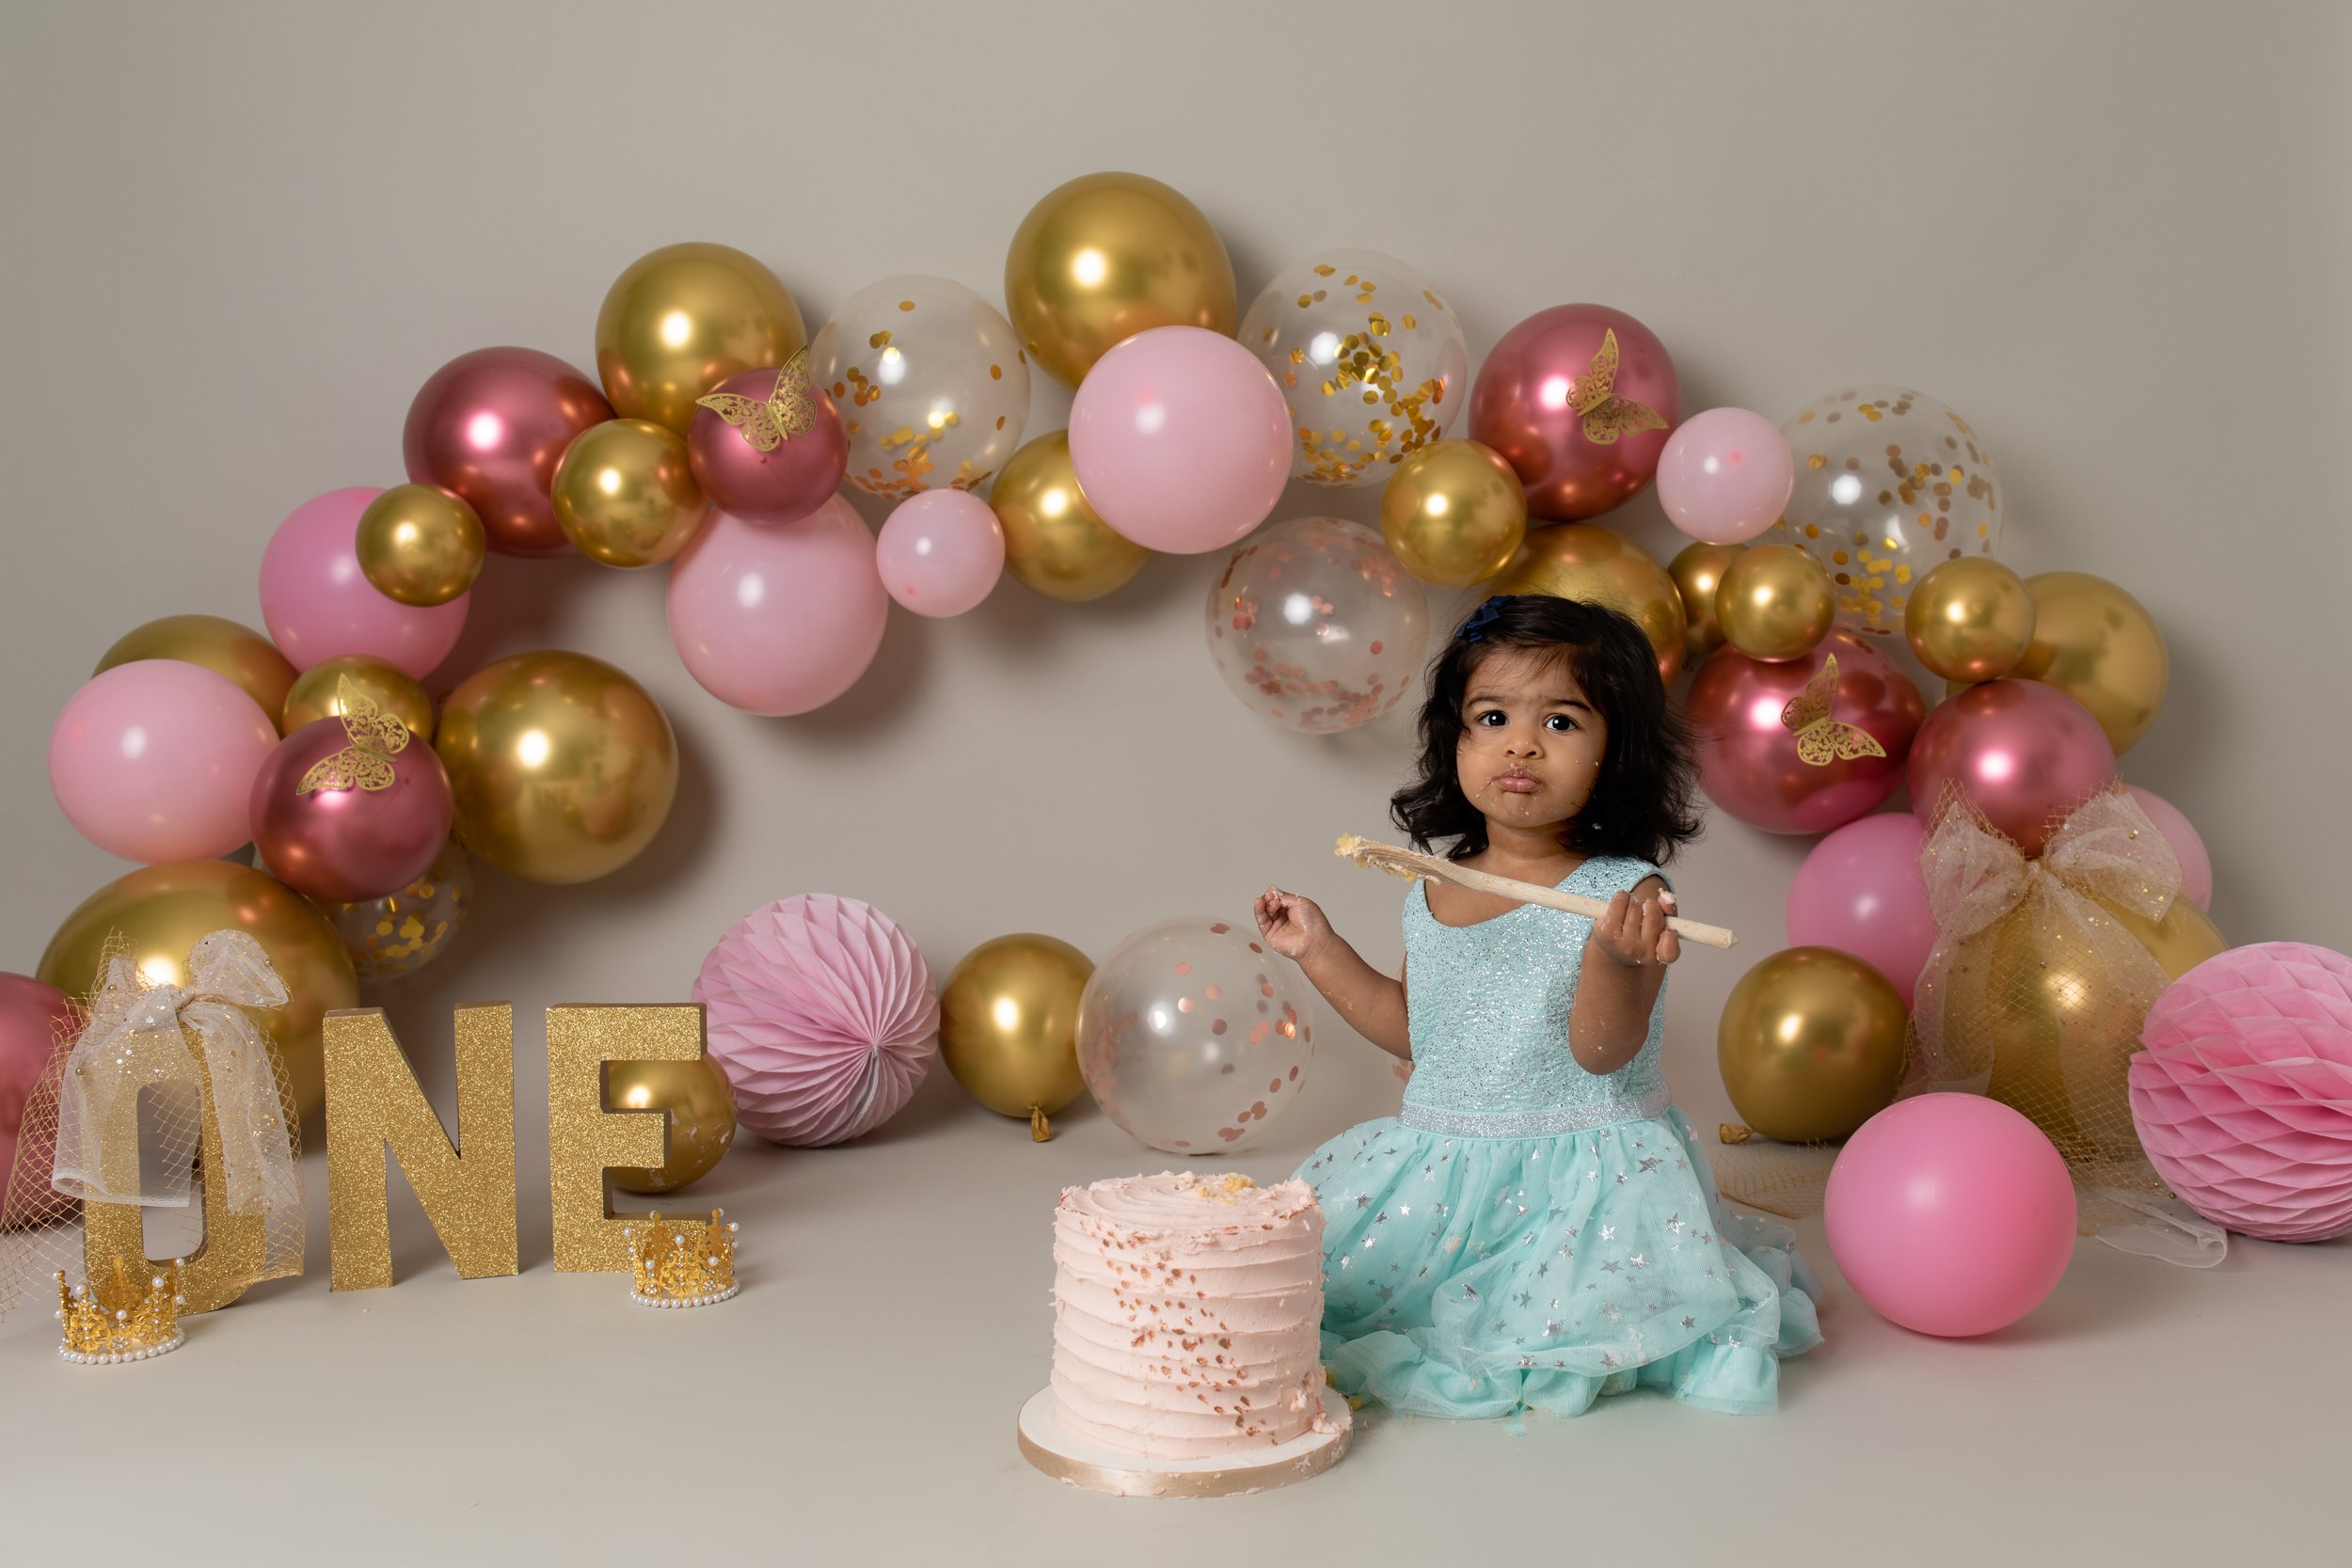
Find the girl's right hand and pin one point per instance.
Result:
(1291, 925)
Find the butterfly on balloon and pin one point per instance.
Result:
(1607, 415)
(767, 423)
(1820, 739)
(375, 737)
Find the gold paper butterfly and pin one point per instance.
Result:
(375, 736)
(786, 412)
(1608, 415)
(1820, 739)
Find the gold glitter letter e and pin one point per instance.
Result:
(584, 1140)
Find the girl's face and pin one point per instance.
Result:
(1532, 741)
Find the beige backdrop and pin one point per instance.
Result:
(2113, 236)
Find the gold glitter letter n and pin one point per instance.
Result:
(584, 1140)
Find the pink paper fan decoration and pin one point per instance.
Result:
(2243, 1096)
(823, 1016)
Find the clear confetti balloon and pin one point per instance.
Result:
(1890, 484)
(1315, 625)
(402, 932)
(1194, 1036)
(930, 383)
(1371, 361)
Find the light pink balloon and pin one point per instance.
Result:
(1180, 439)
(1726, 475)
(940, 551)
(1860, 892)
(779, 619)
(2189, 849)
(155, 760)
(320, 605)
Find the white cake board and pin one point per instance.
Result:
(1045, 1445)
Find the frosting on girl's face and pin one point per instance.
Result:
(1532, 741)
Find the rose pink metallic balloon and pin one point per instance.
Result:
(1860, 892)
(1524, 405)
(2188, 846)
(780, 620)
(1748, 761)
(2025, 752)
(1724, 475)
(492, 425)
(941, 552)
(782, 484)
(30, 1013)
(153, 760)
(347, 845)
(319, 604)
(1180, 439)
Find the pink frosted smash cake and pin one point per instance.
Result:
(1187, 1314)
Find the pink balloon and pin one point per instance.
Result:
(30, 1014)
(782, 484)
(1860, 892)
(153, 760)
(348, 845)
(2187, 848)
(1523, 405)
(781, 620)
(1950, 1214)
(940, 551)
(1748, 759)
(1180, 439)
(2025, 752)
(492, 425)
(320, 605)
(1724, 475)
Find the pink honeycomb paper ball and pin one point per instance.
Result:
(822, 1014)
(2243, 1094)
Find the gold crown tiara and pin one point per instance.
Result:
(124, 1325)
(680, 1262)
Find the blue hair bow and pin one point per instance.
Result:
(1474, 630)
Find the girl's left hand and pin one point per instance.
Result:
(1634, 934)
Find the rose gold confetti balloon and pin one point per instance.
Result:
(932, 386)
(1193, 1036)
(1315, 626)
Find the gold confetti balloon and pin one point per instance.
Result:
(1453, 513)
(1055, 542)
(1774, 603)
(1970, 620)
(222, 646)
(1009, 1025)
(699, 1105)
(2100, 646)
(684, 318)
(421, 545)
(1105, 256)
(1584, 560)
(1698, 571)
(394, 936)
(930, 382)
(318, 693)
(624, 494)
(1811, 1044)
(562, 767)
(1372, 362)
(1890, 484)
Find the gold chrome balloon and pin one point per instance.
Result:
(317, 693)
(682, 319)
(2185, 938)
(400, 933)
(1811, 1044)
(700, 1106)
(562, 767)
(1105, 257)
(2100, 646)
(1969, 620)
(1453, 513)
(625, 495)
(1774, 603)
(1698, 571)
(162, 911)
(1054, 541)
(1584, 560)
(224, 647)
(421, 545)
(1009, 1025)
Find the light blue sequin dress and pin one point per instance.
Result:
(1528, 1233)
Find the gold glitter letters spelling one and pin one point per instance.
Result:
(584, 1140)
(372, 1100)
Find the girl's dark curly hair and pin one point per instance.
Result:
(1641, 805)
